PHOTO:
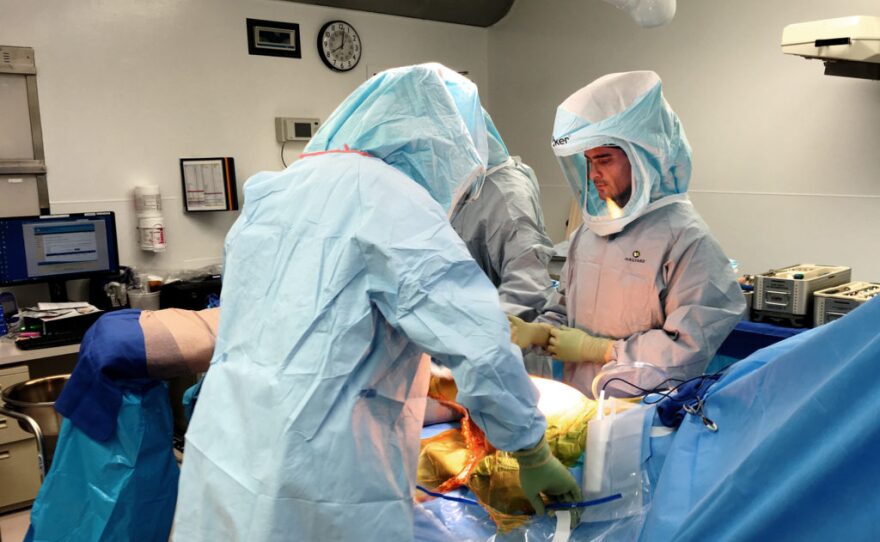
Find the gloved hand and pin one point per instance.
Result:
(573, 345)
(525, 334)
(541, 473)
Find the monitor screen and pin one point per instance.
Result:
(45, 248)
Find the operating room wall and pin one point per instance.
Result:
(786, 161)
(128, 87)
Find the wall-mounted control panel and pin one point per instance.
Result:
(291, 129)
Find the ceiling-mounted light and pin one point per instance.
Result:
(647, 13)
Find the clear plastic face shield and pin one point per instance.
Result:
(467, 102)
(471, 185)
(469, 189)
(498, 153)
(600, 203)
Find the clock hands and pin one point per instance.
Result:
(341, 43)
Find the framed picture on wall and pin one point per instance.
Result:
(209, 184)
(273, 38)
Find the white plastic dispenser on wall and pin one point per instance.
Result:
(151, 224)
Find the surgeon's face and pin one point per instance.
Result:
(611, 173)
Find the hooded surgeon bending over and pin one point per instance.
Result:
(340, 271)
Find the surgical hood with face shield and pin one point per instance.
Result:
(425, 120)
(625, 110)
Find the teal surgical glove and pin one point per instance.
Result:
(542, 474)
(576, 346)
(526, 334)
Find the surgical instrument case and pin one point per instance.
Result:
(785, 295)
(838, 301)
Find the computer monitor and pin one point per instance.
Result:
(56, 248)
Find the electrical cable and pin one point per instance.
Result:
(282, 153)
(659, 389)
(696, 410)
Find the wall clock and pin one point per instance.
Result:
(339, 46)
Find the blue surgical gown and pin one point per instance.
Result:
(340, 272)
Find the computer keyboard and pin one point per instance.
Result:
(48, 341)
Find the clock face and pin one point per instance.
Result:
(339, 46)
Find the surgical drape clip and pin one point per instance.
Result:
(696, 408)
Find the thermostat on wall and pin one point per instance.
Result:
(290, 129)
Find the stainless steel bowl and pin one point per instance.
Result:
(36, 398)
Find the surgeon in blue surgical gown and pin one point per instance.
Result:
(340, 272)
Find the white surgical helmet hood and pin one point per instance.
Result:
(625, 110)
(424, 120)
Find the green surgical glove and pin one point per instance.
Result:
(525, 334)
(573, 345)
(542, 474)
